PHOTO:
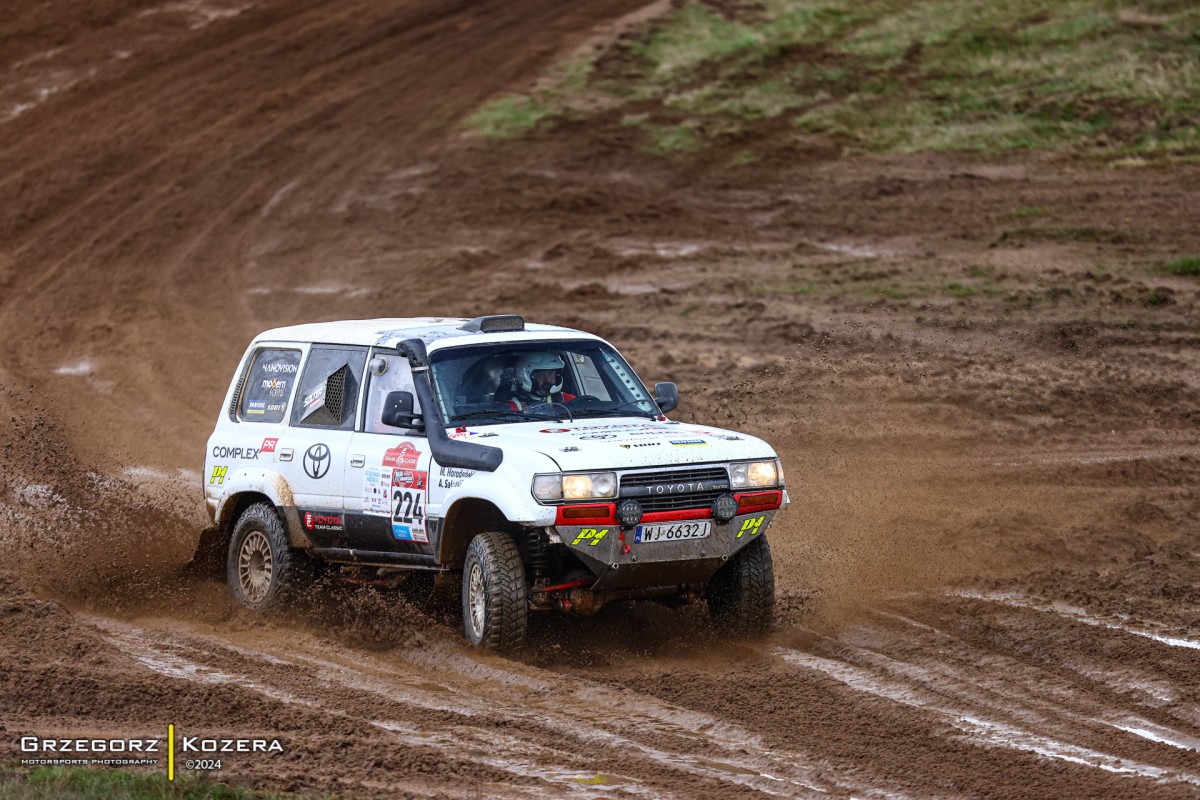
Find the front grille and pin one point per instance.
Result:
(675, 502)
(675, 489)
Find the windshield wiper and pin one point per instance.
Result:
(497, 412)
(613, 412)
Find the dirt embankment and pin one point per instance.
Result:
(988, 575)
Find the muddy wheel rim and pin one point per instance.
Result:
(475, 599)
(255, 566)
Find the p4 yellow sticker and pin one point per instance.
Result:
(594, 534)
(218, 476)
(751, 526)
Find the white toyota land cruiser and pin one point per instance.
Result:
(530, 458)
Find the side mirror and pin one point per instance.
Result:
(398, 411)
(667, 396)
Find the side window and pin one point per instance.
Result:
(590, 381)
(328, 393)
(268, 385)
(389, 373)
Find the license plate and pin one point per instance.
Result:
(673, 531)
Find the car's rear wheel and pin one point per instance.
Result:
(263, 570)
(495, 599)
(741, 596)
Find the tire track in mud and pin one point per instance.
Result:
(975, 679)
(949, 696)
(524, 720)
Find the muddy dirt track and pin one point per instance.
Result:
(988, 579)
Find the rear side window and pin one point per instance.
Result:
(268, 385)
(328, 394)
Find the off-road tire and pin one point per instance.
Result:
(495, 599)
(741, 596)
(263, 571)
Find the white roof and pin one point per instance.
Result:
(390, 332)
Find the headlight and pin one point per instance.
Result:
(583, 486)
(754, 474)
(547, 487)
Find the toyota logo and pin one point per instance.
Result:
(316, 461)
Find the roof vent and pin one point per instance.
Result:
(499, 323)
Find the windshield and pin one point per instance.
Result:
(490, 384)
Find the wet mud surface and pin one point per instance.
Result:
(989, 579)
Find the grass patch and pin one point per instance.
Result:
(1092, 77)
(1188, 265)
(1085, 234)
(510, 117)
(1033, 212)
(77, 783)
(672, 139)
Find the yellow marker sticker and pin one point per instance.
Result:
(171, 751)
(751, 526)
(218, 476)
(591, 533)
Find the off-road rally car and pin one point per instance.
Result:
(529, 459)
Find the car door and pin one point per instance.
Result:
(387, 473)
(312, 456)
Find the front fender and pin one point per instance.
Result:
(508, 488)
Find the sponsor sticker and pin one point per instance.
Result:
(593, 536)
(240, 453)
(555, 430)
(403, 456)
(218, 476)
(377, 492)
(268, 445)
(751, 527)
(409, 489)
(687, 442)
(322, 521)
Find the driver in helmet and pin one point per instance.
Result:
(539, 380)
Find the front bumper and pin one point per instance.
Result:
(620, 562)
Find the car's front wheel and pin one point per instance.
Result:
(495, 599)
(263, 570)
(741, 596)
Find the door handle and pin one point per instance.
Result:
(358, 461)
(286, 454)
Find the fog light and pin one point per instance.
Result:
(725, 508)
(630, 513)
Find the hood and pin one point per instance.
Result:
(618, 442)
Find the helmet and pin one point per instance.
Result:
(528, 362)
